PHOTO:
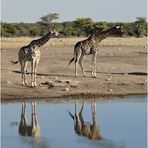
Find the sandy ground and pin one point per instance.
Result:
(121, 70)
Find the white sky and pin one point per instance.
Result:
(68, 10)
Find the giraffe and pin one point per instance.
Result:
(86, 129)
(90, 46)
(24, 128)
(31, 53)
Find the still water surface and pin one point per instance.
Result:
(107, 124)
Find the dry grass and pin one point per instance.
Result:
(21, 41)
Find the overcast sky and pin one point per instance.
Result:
(68, 10)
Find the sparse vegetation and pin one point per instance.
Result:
(78, 27)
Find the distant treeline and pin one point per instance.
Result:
(78, 27)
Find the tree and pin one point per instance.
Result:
(140, 27)
(46, 22)
(83, 24)
(48, 19)
(100, 26)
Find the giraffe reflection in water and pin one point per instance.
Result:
(26, 129)
(90, 130)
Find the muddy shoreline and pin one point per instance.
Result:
(67, 98)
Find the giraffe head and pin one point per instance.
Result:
(55, 34)
(118, 30)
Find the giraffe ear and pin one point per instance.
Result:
(53, 30)
(117, 27)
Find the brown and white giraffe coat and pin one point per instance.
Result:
(26, 129)
(90, 46)
(90, 130)
(31, 53)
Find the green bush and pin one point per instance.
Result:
(78, 27)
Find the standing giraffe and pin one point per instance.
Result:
(31, 53)
(90, 46)
(24, 128)
(89, 130)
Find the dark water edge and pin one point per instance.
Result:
(87, 97)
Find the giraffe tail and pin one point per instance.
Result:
(71, 115)
(14, 62)
(71, 61)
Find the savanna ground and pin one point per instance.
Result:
(121, 70)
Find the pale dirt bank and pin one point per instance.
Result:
(121, 70)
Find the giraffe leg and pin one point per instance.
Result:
(34, 120)
(76, 62)
(25, 66)
(32, 73)
(94, 113)
(75, 107)
(22, 71)
(82, 107)
(35, 131)
(33, 114)
(35, 71)
(93, 69)
(80, 113)
(36, 123)
(81, 64)
(24, 112)
(76, 74)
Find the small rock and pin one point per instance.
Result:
(110, 90)
(56, 78)
(74, 83)
(3, 50)
(8, 82)
(65, 89)
(63, 81)
(141, 83)
(42, 77)
(40, 84)
(50, 85)
(108, 79)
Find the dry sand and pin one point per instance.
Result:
(121, 70)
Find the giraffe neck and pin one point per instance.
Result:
(101, 36)
(41, 41)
